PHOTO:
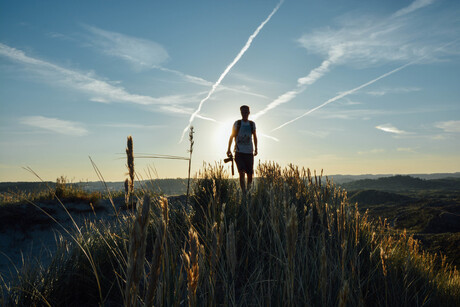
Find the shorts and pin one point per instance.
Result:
(244, 162)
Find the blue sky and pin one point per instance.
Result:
(351, 87)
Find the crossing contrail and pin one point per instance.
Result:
(343, 94)
(229, 67)
(334, 55)
(346, 93)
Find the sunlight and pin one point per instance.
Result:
(220, 138)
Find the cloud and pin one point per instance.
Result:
(203, 82)
(417, 4)
(371, 152)
(452, 126)
(184, 110)
(373, 40)
(284, 98)
(406, 149)
(55, 125)
(398, 90)
(343, 94)
(316, 133)
(390, 129)
(132, 126)
(367, 41)
(142, 53)
(303, 82)
(268, 137)
(99, 90)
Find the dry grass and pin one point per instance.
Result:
(62, 190)
(295, 240)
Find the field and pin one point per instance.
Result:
(428, 209)
(295, 239)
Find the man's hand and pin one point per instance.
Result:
(255, 152)
(229, 153)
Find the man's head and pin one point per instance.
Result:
(244, 112)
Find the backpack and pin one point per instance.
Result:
(238, 126)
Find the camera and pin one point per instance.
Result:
(229, 159)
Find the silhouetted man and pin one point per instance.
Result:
(243, 131)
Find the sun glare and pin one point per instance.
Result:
(220, 139)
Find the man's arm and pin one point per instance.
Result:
(255, 143)
(230, 140)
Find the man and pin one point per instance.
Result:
(244, 131)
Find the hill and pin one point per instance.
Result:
(163, 186)
(341, 179)
(429, 209)
(291, 241)
(404, 183)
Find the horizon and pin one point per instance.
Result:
(356, 88)
(414, 175)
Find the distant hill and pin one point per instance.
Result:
(373, 197)
(165, 186)
(341, 179)
(403, 183)
(177, 186)
(27, 187)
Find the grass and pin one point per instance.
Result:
(294, 240)
(63, 190)
(431, 216)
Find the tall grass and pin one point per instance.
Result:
(62, 189)
(295, 240)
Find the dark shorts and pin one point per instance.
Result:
(244, 163)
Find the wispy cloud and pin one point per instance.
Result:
(371, 40)
(390, 129)
(99, 90)
(203, 82)
(405, 149)
(371, 152)
(131, 126)
(141, 53)
(398, 90)
(55, 125)
(452, 126)
(303, 82)
(268, 137)
(144, 54)
(417, 4)
(364, 41)
(343, 94)
(230, 66)
(316, 133)
(184, 110)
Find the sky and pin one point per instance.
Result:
(350, 87)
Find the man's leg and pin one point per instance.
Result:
(250, 169)
(249, 181)
(242, 183)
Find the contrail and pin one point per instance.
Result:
(229, 67)
(302, 83)
(203, 82)
(343, 94)
(268, 136)
(346, 93)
